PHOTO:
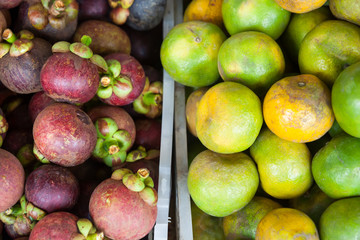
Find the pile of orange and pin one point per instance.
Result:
(287, 101)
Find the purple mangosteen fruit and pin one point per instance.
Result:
(107, 37)
(55, 226)
(93, 9)
(71, 73)
(64, 135)
(116, 134)
(38, 102)
(123, 82)
(148, 133)
(21, 60)
(52, 188)
(9, 3)
(12, 180)
(124, 206)
(54, 20)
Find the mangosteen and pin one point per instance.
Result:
(123, 82)
(148, 133)
(12, 180)
(5, 19)
(21, 60)
(151, 164)
(55, 226)
(9, 3)
(116, 134)
(64, 135)
(54, 20)
(37, 103)
(93, 9)
(15, 110)
(124, 206)
(145, 15)
(71, 73)
(52, 188)
(106, 37)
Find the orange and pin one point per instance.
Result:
(346, 10)
(341, 220)
(328, 49)
(300, 6)
(221, 184)
(335, 167)
(204, 10)
(284, 167)
(192, 103)
(253, 59)
(189, 53)
(243, 223)
(228, 118)
(345, 95)
(255, 15)
(286, 224)
(298, 108)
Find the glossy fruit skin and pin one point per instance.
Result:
(132, 69)
(284, 167)
(148, 133)
(205, 10)
(9, 3)
(52, 188)
(64, 134)
(119, 115)
(12, 180)
(321, 44)
(335, 166)
(66, 77)
(228, 118)
(244, 15)
(286, 223)
(93, 9)
(345, 100)
(55, 226)
(192, 104)
(253, 59)
(215, 185)
(349, 11)
(189, 53)
(300, 6)
(119, 212)
(243, 223)
(298, 108)
(106, 37)
(37, 103)
(340, 220)
(22, 74)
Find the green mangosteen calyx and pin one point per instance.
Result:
(140, 182)
(26, 155)
(39, 156)
(82, 50)
(57, 13)
(121, 3)
(149, 102)
(23, 215)
(113, 82)
(16, 45)
(87, 231)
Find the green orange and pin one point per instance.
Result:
(335, 167)
(346, 100)
(228, 118)
(221, 184)
(189, 53)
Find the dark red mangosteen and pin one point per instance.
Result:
(148, 133)
(93, 9)
(71, 73)
(37, 103)
(123, 82)
(9, 3)
(64, 135)
(55, 226)
(12, 180)
(21, 60)
(52, 188)
(55, 20)
(124, 206)
(116, 134)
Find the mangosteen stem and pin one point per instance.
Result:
(113, 149)
(105, 81)
(57, 8)
(9, 36)
(143, 173)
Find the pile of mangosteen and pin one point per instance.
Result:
(80, 118)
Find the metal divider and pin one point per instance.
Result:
(164, 188)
